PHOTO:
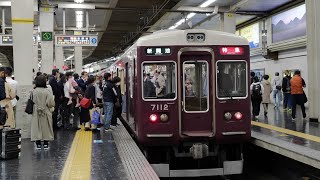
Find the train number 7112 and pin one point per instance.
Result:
(159, 107)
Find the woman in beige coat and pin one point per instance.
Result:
(41, 123)
(266, 94)
(10, 94)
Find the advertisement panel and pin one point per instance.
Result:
(251, 33)
(289, 24)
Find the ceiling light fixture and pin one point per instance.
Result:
(190, 15)
(78, 1)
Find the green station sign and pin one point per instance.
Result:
(46, 36)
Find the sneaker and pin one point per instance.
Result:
(108, 130)
(285, 110)
(46, 146)
(77, 105)
(289, 110)
(38, 146)
(293, 119)
(69, 102)
(265, 113)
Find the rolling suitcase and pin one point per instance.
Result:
(10, 143)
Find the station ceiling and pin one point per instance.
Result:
(118, 23)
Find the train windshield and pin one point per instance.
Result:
(159, 80)
(231, 79)
(195, 92)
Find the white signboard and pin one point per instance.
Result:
(81, 40)
(7, 40)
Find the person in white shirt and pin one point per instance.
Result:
(276, 88)
(13, 83)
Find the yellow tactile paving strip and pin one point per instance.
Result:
(78, 164)
(287, 131)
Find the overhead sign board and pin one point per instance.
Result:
(76, 40)
(7, 40)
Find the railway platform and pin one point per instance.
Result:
(296, 139)
(81, 155)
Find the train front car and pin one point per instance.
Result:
(192, 100)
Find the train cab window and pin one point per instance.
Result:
(159, 80)
(232, 79)
(195, 94)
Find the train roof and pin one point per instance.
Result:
(178, 37)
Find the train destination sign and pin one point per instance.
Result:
(231, 51)
(62, 40)
(158, 51)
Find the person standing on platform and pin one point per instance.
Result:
(286, 92)
(267, 89)
(41, 123)
(297, 94)
(9, 95)
(117, 110)
(252, 75)
(2, 83)
(82, 82)
(90, 93)
(256, 96)
(13, 83)
(108, 101)
(53, 81)
(276, 87)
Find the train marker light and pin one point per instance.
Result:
(153, 118)
(238, 115)
(164, 118)
(227, 115)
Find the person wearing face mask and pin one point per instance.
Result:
(117, 109)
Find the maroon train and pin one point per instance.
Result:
(187, 98)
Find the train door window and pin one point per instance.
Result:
(195, 92)
(159, 80)
(232, 80)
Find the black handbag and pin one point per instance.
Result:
(3, 116)
(304, 98)
(30, 103)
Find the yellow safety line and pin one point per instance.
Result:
(78, 164)
(287, 131)
(22, 20)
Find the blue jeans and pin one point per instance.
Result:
(108, 111)
(287, 101)
(277, 97)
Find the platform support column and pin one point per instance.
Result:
(59, 55)
(78, 60)
(313, 55)
(46, 25)
(35, 62)
(228, 22)
(22, 30)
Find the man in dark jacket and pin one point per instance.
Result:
(286, 92)
(53, 81)
(2, 85)
(149, 90)
(117, 110)
(82, 81)
(109, 95)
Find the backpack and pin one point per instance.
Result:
(256, 91)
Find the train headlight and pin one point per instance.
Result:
(164, 118)
(238, 115)
(227, 115)
(153, 118)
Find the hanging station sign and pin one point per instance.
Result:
(81, 40)
(7, 40)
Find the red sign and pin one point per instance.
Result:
(65, 67)
(231, 51)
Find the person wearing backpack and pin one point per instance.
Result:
(266, 84)
(257, 90)
(276, 87)
(286, 89)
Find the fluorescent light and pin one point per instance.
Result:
(70, 57)
(79, 19)
(207, 3)
(190, 15)
(78, 1)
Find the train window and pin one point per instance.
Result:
(159, 80)
(231, 79)
(195, 81)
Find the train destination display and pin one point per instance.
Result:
(76, 40)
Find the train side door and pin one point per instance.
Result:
(196, 118)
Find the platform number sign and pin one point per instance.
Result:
(46, 36)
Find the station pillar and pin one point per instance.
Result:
(78, 56)
(46, 25)
(228, 22)
(35, 61)
(59, 58)
(22, 14)
(313, 55)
